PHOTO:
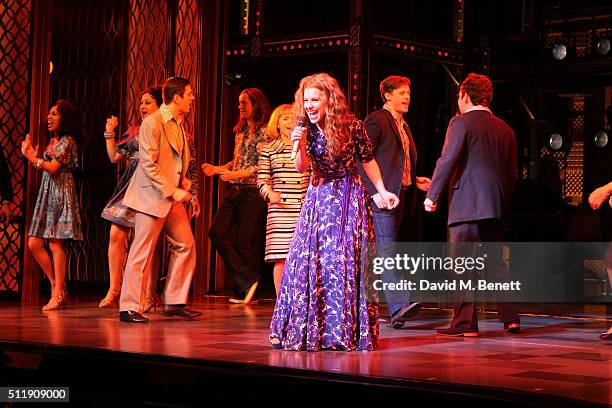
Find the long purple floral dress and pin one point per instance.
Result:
(324, 301)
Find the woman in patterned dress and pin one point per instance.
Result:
(324, 300)
(283, 188)
(120, 216)
(56, 216)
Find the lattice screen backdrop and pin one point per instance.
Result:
(186, 45)
(148, 58)
(185, 66)
(146, 53)
(147, 62)
(574, 182)
(14, 63)
(104, 54)
(88, 44)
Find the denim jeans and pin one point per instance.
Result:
(386, 227)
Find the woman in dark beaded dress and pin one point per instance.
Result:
(324, 301)
(122, 217)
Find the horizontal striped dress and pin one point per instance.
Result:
(277, 173)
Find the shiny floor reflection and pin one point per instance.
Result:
(552, 355)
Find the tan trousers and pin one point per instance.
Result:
(138, 266)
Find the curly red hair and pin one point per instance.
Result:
(336, 128)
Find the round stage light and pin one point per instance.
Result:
(603, 46)
(556, 141)
(601, 138)
(559, 51)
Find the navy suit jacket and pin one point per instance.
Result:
(477, 166)
(389, 153)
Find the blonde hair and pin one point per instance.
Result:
(336, 129)
(273, 129)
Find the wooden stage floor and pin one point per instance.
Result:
(556, 357)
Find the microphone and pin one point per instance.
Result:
(302, 122)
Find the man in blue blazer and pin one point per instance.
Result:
(396, 155)
(478, 168)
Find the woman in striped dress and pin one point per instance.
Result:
(283, 188)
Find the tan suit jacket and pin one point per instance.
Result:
(161, 169)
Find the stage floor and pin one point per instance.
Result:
(552, 356)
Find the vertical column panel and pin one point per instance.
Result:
(187, 61)
(207, 127)
(146, 52)
(14, 74)
(357, 77)
(575, 160)
(186, 49)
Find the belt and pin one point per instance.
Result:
(244, 186)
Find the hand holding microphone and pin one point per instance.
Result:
(298, 134)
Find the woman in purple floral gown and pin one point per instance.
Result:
(324, 300)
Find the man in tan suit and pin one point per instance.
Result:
(158, 191)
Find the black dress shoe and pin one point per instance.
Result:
(512, 327)
(131, 316)
(180, 311)
(405, 313)
(457, 332)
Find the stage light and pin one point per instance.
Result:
(559, 51)
(601, 37)
(560, 43)
(234, 79)
(601, 138)
(603, 46)
(555, 141)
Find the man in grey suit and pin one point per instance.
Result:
(158, 191)
(478, 167)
